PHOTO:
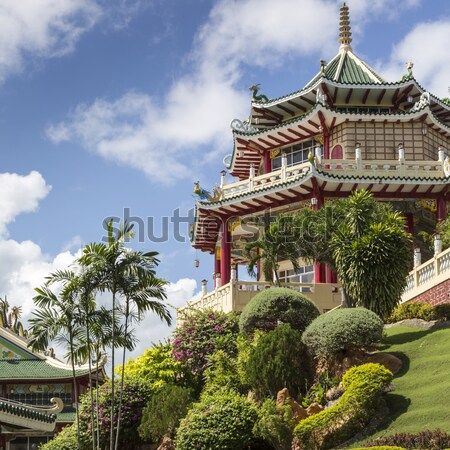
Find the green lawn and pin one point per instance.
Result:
(421, 399)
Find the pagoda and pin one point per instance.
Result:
(347, 129)
(37, 398)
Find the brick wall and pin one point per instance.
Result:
(436, 295)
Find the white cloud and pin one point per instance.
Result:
(34, 29)
(161, 138)
(426, 46)
(167, 136)
(20, 194)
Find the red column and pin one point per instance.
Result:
(409, 222)
(216, 265)
(225, 253)
(319, 269)
(326, 145)
(267, 165)
(441, 212)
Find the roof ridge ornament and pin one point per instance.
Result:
(345, 34)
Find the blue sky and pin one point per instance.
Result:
(114, 104)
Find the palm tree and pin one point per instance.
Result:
(107, 258)
(56, 320)
(142, 291)
(276, 242)
(372, 254)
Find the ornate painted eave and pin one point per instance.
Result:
(330, 179)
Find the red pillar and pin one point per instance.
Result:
(326, 145)
(441, 211)
(319, 269)
(409, 222)
(225, 253)
(267, 164)
(216, 266)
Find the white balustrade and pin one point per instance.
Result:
(423, 277)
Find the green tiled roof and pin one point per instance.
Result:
(351, 72)
(25, 369)
(24, 411)
(66, 416)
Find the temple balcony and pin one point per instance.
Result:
(347, 169)
(236, 294)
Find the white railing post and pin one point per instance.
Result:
(251, 176)
(218, 281)
(318, 154)
(204, 287)
(417, 257)
(358, 156)
(401, 158)
(283, 167)
(441, 155)
(223, 180)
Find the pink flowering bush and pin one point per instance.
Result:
(136, 394)
(202, 334)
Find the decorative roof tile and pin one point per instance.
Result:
(32, 369)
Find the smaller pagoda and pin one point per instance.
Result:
(37, 396)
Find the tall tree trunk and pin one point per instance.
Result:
(90, 384)
(122, 375)
(113, 337)
(75, 390)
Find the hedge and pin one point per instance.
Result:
(277, 305)
(363, 387)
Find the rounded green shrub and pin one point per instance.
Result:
(277, 361)
(442, 311)
(338, 423)
(275, 305)
(412, 310)
(223, 421)
(342, 330)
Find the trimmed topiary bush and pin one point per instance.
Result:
(223, 421)
(275, 305)
(412, 310)
(342, 330)
(423, 440)
(333, 426)
(276, 362)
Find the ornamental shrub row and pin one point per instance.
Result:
(418, 310)
(363, 386)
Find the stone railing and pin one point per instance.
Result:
(380, 168)
(429, 274)
(235, 295)
(254, 183)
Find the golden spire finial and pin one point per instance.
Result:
(345, 35)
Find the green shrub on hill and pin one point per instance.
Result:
(412, 310)
(363, 387)
(442, 311)
(342, 330)
(275, 305)
(277, 361)
(223, 421)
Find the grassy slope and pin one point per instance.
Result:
(421, 399)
